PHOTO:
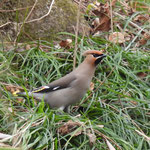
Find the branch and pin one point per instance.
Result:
(37, 19)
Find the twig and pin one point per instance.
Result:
(37, 19)
(76, 36)
(142, 134)
(5, 24)
(25, 21)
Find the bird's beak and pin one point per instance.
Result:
(99, 59)
(102, 56)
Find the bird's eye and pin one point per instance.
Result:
(97, 55)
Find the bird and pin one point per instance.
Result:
(71, 88)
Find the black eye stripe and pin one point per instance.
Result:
(97, 55)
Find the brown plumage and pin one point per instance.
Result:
(72, 87)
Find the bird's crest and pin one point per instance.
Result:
(92, 52)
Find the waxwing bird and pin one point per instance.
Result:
(72, 87)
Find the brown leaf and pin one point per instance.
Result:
(127, 37)
(116, 37)
(148, 113)
(103, 13)
(78, 132)
(92, 138)
(28, 47)
(12, 88)
(66, 43)
(134, 102)
(113, 2)
(144, 40)
(141, 75)
(142, 18)
(69, 127)
(21, 100)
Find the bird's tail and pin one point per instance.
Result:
(18, 93)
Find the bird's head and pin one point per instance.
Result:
(94, 56)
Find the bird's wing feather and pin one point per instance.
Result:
(61, 83)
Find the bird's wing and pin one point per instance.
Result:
(61, 83)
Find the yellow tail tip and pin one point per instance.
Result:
(15, 93)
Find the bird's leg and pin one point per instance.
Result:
(67, 109)
(61, 110)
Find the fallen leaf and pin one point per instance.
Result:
(148, 113)
(142, 18)
(141, 75)
(69, 127)
(22, 100)
(12, 88)
(128, 37)
(92, 138)
(113, 2)
(116, 37)
(134, 102)
(103, 13)
(144, 40)
(28, 47)
(109, 145)
(66, 43)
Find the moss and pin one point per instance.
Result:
(62, 18)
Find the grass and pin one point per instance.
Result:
(121, 103)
